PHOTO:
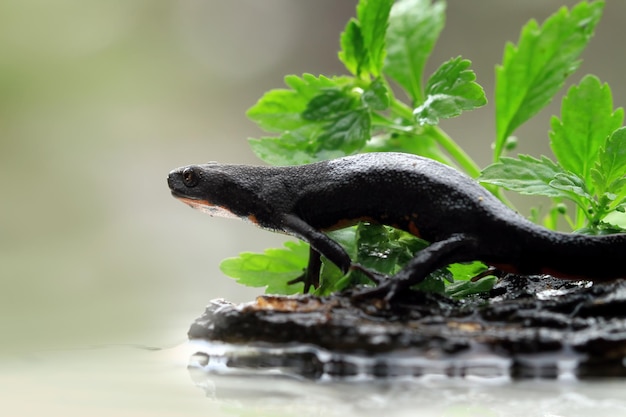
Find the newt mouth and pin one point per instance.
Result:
(206, 206)
(180, 196)
(195, 203)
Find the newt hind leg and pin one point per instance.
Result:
(456, 248)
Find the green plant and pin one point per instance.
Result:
(590, 146)
(318, 118)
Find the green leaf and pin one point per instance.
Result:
(348, 132)
(271, 269)
(376, 96)
(435, 282)
(461, 289)
(384, 248)
(315, 119)
(281, 109)
(467, 270)
(610, 168)
(353, 53)
(573, 185)
(525, 175)
(375, 248)
(347, 239)
(534, 70)
(587, 120)
(278, 110)
(328, 103)
(332, 279)
(373, 16)
(290, 148)
(450, 91)
(363, 40)
(618, 192)
(414, 26)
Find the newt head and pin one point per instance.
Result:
(212, 188)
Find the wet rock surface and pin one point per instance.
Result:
(526, 327)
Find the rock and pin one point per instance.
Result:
(527, 327)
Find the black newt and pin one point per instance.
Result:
(461, 219)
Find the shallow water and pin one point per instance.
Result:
(137, 381)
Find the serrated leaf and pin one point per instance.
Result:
(278, 110)
(373, 17)
(271, 269)
(346, 238)
(363, 40)
(348, 132)
(376, 96)
(610, 168)
(534, 70)
(281, 110)
(375, 250)
(462, 289)
(605, 227)
(587, 120)
(385, 249)
(414, 26)
(570, 183)
(434, 283)
(329, 103)
(450, 91)
(467, 270)
(290, 148)
(526, 175)
(437, 106)
(331, 279)
(619, 189)
(308, 86)
(353, 53)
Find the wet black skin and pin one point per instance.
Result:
(462, 220)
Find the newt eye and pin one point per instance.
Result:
(190, 177)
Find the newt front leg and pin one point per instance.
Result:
(322, 245)
(311, 275)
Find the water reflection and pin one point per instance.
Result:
(315, 363)
(436, 396)
(133, 381)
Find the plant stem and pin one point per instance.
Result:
(455, 151)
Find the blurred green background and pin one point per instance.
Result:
(100, 99)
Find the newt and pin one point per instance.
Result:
(460, 219)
